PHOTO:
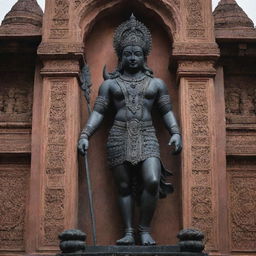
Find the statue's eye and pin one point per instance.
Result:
(127, 54)
(139, 54)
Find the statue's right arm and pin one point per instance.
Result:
(96, 117)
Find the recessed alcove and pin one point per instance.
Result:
(99, 52)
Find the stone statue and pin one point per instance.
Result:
(132, 147)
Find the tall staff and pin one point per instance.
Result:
(85, 84)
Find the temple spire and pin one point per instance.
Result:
(25, 17)
(228, 14)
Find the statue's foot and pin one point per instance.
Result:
(128, 239)
(146, 239)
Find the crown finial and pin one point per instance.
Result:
(132, 32)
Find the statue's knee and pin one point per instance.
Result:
(152, 186)
(124, 189)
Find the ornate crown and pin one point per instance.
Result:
(132, 32)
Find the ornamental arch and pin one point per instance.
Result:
(99, 51)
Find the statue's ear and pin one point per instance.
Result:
(106, 75)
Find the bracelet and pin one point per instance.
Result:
(175, 130)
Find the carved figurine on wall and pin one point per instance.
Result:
(133, 149)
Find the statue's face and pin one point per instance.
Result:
(132, 58)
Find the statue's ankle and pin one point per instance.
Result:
(144, 230)
(129, 232)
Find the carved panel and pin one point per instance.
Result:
(60, 21)
(53, 67)
(15, 140)
(15, 104)
(55, 162)
(60, 48)
(13, 195)
(194, 19)
(242, 205)
(241, 141)
(240, 98)
(198, 67)
(203, 215)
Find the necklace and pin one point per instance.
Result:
(133, 90)
(132, 82)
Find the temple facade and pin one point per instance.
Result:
(207, 60)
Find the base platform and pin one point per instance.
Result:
(133, 251)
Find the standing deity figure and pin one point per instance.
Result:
(132, 148)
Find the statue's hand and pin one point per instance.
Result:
(176, 141)
(83, 145)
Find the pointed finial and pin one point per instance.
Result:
(132, 17)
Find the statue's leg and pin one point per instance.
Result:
(150, 173)
(123, 178)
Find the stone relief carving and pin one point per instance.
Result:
(53, 217)
(203, 216)
(195, 22)
(240, 98)
(242, 193)
(78, 3)
(60, 20)
(13, 191)
(16, 104)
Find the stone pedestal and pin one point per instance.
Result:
(133, 250)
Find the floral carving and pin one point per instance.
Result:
(243, 209)
(203, 216)
(195, 22)
(13, 190)
(53, 219)
(60, 20)
(54, 215)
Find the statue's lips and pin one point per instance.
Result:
(132, 64)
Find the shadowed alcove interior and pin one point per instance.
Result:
(99, 51)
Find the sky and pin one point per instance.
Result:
(249, 6)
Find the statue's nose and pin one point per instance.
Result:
(132, 58)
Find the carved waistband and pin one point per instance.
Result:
(126, 124)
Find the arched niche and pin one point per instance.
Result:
(98, 52)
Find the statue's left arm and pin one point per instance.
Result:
(165, 107)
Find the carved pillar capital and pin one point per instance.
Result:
(196, 68)
(195, 51)
(61, 67)
(49, 50)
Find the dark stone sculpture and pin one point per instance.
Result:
(72, 241)
(191, 240)
(133, 149)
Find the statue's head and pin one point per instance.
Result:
(132, 38)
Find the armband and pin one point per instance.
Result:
(164, 104)
(101, 104)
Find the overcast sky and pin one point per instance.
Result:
(249, 7)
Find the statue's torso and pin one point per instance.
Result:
(133, 99)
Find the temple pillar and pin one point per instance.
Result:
(199, 174)
(54, 170)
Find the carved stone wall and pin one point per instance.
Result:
(240, 100)
(199, 198)
(16, 90)
(195, 25)
(14, 180)
(56, 159)
(60, 20)
(242, 203)
(55, 164)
